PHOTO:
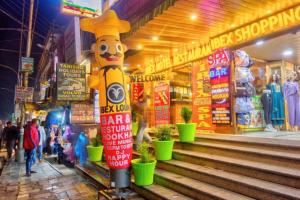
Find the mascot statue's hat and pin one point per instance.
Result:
(106, 24)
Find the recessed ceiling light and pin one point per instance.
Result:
(287, 52)
(259, 42)
(193, 17)
(232, 25)
(155, 38)
(176, 50)
(269, 11)
(138, 65)
(139, 46)
(160, 55)
(125, 68)
(193, 42)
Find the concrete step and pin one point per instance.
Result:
(275, 157)
(153, 192)
(276, 174)
(252, 187)
(274, 144)
(193, 188)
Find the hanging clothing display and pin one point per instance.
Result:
(277, 114)
(291, 94)
(266, 100)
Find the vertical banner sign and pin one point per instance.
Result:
(201, 96)
(162, 102)
(71, 82)
(219, 74)
(137, 92)
(115, 111)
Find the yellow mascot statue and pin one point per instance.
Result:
(115, 113)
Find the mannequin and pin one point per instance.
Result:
(266, 100)
(277, 108)
(291, 95)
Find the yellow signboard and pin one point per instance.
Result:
(274, 23)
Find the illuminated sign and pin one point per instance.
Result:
(90, 8)
(162, 102)
(147, 78)
(137, 92)
(220, 88)
(262, 27)
(201, 96)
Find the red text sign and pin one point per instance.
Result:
(117, 139)
(162, 103)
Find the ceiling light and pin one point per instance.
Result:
(232, 25)
(161, 56)
(259, 42)
(139, 46)
(193, 17)
(175, 50)
(138, 65)
(193, 42)
(269, 11)
(287, 52)
(125, 68)
(155, 38)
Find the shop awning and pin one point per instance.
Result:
(175, 24)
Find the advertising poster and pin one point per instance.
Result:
(137, 92)
(90, 8)
(162, 102)
(71, 82)
(201, 89)
(27, 64)
(115, 119)
(82, 113)
(219, 74)
(24, 94)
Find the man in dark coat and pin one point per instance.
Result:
(11, 136)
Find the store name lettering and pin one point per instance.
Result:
(218, 72)
(114, 108)
(257, 29)
(246, 33)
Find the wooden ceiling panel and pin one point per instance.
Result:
(176, 30)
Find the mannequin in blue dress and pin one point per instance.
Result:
(277, 108)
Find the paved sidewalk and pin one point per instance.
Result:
(47, 183)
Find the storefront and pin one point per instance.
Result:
(224, 79)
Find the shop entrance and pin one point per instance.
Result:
(276, 76)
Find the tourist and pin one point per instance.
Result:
(31, 142)
(42, 140)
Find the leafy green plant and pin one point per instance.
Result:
(134, 115)
(163, 133)
(96, 141)
(145, 155)
(186, 114)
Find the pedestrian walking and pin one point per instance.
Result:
(10, 136)
(141, 108)
(42, 140)
(31, 142)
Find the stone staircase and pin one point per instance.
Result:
(225, 167)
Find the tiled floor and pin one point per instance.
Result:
(48, 183)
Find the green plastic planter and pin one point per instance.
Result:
(186, 132)
(143, 172)
(94, 153)
(163, 149)
(135, 127)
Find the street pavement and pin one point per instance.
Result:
(275, 135)
(50, 182)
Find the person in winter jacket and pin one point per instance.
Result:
(31, 142)
(42, 141)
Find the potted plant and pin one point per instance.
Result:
(164, 144)
(186, 130)
(143, 167)
(95, 149)
(135, 125)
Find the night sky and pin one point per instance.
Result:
(48, 12)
